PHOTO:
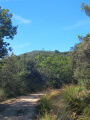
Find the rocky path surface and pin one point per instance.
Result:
(22, 108)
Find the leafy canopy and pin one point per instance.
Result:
(86, 8)
(6, 30)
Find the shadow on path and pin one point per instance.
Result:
(23, 108)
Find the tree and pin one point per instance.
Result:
(7, 30)
(81, 60)
(56, 70)
(86, 8)
(9, 78)
(56, 51)
(81, 56)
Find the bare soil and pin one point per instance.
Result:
(21, 108)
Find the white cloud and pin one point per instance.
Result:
(18, 47)
(21, 19)
(78, 24)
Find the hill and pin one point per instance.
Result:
(34, 53)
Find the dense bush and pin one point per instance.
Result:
(81, 61)
(19, 76)
(55, 69)
(44, 105)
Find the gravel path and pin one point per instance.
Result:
(22, 108)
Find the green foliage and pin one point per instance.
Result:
(9, 79)
(22, 74)
(43, 106)
(86, 8)
(6, 30)
(58, 67)
(69, 93)
(76, 99)
(56, 51)
(48, 117)
(19, 76)
(69, 103)
(81, 56)
(2, 94)
(81, 61)
(86, 113)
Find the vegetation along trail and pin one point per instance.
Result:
(22, 108)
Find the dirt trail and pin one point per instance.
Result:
(22, 108)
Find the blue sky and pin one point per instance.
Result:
(49, 24)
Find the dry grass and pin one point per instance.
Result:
(48, 117)
(69, 103)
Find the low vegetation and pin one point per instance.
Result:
(69, 103)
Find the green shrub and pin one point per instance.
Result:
(44, 105)
(48, 117)
(2, 94)
(73, 97)
(69, 93)
(86, 112)
(77, 105)
(69, 103)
